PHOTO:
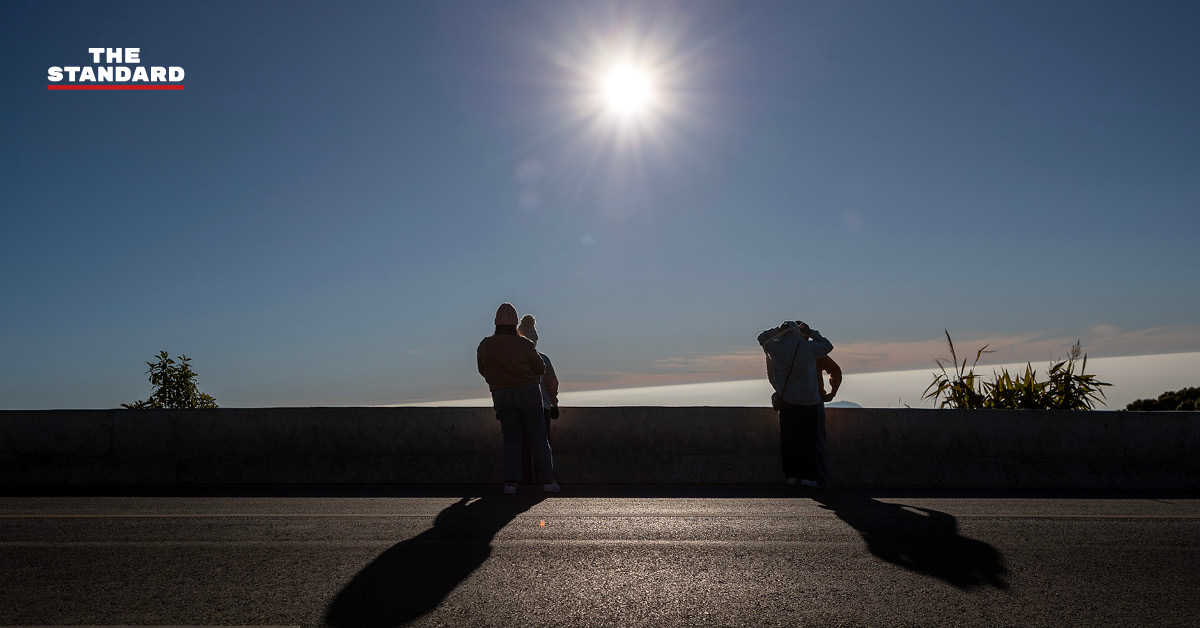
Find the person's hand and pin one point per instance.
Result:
(553, 412)
(805, 330)
(826, 397)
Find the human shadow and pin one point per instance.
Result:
(412, 577)
(919, 539)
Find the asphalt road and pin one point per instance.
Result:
(604, 557)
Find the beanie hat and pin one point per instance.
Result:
(526, 327)
(506, 314)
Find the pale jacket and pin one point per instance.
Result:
(801, 387)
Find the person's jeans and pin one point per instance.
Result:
(527, 474)
(520, 413)
(802, 442)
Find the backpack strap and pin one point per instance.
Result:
(778, 385)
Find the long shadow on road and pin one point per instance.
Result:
(919, 539)
(412, 577)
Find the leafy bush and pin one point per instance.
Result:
(1023, 392)
(963, 389)
(1185, 400)
(175, 386)
(1067, 390)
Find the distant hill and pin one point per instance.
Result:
(842, 404)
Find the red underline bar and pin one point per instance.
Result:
(114, 87)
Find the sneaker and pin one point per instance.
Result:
(792, 481)
(552, 487)
(510, 488)
(808, 483)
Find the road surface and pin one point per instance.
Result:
(599, 557)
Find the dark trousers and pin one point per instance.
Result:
(527, 469)
(520, 413)
(802, 442)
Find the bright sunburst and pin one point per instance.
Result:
(624, 105)
(627, 89)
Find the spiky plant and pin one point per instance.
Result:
(1068, 390)
(959, 388)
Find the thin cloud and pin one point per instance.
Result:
(875, 357)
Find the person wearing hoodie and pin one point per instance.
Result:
(793, 350)
(513, 370)
(528, 329)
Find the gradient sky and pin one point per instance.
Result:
(331, 211)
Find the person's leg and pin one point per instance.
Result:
(789, 442)
(535, 431)
(527, 462)
(823, 473)
(527, 466)
(806, 434)
(512, 425)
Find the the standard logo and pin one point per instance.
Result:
(120, 76)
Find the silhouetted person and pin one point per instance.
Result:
(528, 329)
(513, 369)
(793, 350)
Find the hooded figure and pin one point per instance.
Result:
(513, 370)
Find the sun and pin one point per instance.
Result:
(628, 89)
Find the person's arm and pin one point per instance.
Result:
(822, 368)
(821, 347)
(534, 358)
(827, 365)
(770, 371)
(835, 377)
(479, 357)
(550, 379)
(770, 334)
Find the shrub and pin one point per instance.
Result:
(1187, 399)
(1023, 392)
(1067, 390)
(963, 389)
(175, 386)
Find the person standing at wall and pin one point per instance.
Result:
(792, 351)
(528, 329)
(513, 370)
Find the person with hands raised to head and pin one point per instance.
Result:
(792, 351)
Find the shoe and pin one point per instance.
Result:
(808, 483)
(792, 481)
(551, 487)
(510, 488)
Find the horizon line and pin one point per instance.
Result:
(763, 380)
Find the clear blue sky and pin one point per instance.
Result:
(334, 207)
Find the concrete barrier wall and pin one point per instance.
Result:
(630, 445)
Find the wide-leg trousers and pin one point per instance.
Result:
(802, 442)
